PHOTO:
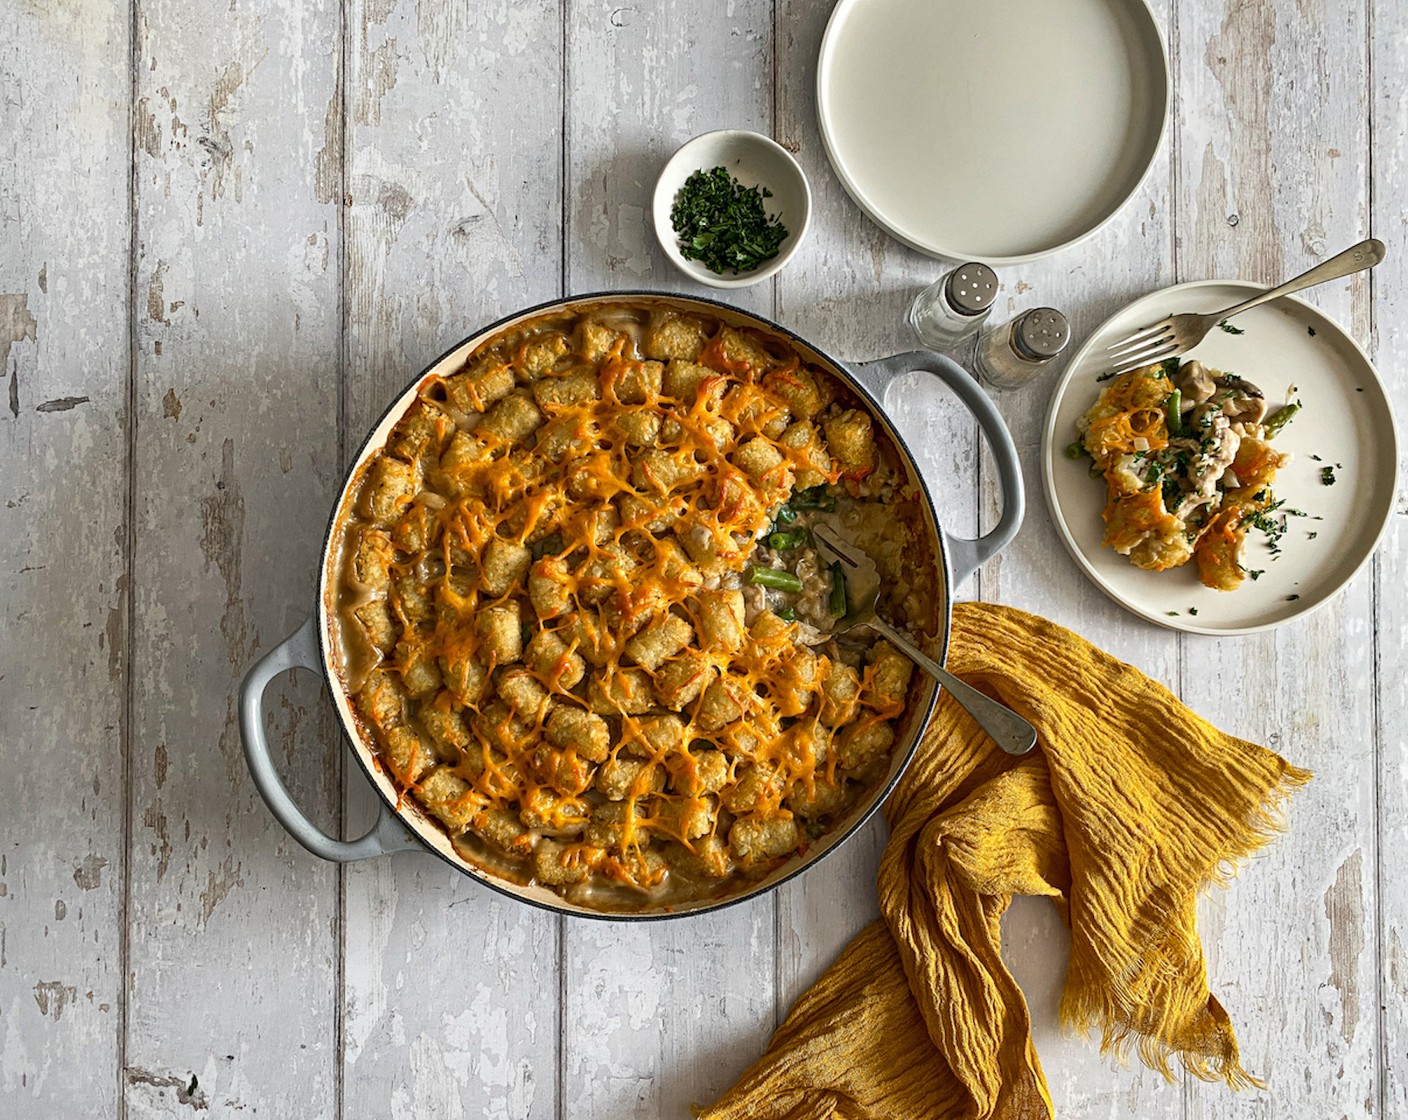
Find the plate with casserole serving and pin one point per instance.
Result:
(1232, 489)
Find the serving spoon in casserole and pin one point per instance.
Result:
(862, 588)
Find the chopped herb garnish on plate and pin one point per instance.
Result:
(1257, 573)
(1229, 328)
(1292, 598)
(723, 225)
(1327, 475)
(1107, 376)
(1311, 535)
(1311, 330)
(1194, 610)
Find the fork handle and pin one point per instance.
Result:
(1354, 259)
(1007, 729)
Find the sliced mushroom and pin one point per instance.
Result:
(1242, 408)
(1195, 383)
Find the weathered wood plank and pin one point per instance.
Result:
(1290, 946)
(1389, 283)
(1390, 997)
(453, 159)
(63, 421)
(233, 927)
(657, 1016)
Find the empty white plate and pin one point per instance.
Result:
(1289, 350)
(992, 130)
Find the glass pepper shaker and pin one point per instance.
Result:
(953, 306)
(1010, 355)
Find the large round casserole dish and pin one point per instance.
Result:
(405, 823)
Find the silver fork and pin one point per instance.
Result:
(1008, 730)
(1178, 334)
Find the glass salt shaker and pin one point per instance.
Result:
(953, 306)
(1009, 356)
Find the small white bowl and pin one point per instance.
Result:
(755, 161)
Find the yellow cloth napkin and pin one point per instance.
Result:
(1130, 804)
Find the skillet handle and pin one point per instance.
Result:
(300, 650)
(966, 556)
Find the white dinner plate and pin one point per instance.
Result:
(1290, 351)
(995, 130)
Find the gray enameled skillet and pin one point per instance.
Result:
(402, 826)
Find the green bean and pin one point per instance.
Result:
(1076, 450)
(1095, 471)
(774, 578)
(787, 614)
(836, 602)
(1281, 417)
(817, 497)
(1175, 413)
(792, 538)
(786, 515)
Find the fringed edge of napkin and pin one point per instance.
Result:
(1085, 1007)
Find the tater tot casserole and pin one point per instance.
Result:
(577, 609)
(1188, 465)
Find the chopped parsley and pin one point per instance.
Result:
(1229, 328)
(1107, 376)
(1292, 598)
(1317, 458)
(723, 225)
(1257, 573)
(1327, 476)
(1311, 330)
(1194, 610)
(1172, 494)
(1173, 614)
(1170, 366)
(1311, 536)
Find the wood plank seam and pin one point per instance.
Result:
(129, 545)
(1376, 722)
(343, 771)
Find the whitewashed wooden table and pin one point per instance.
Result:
(229, 231)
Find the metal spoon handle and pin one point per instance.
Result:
(1008, 730)
(1354, 259)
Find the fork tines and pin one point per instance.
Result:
(829, 540)
(1144, 347)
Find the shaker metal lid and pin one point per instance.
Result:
(1041, 334)
(971, 288)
